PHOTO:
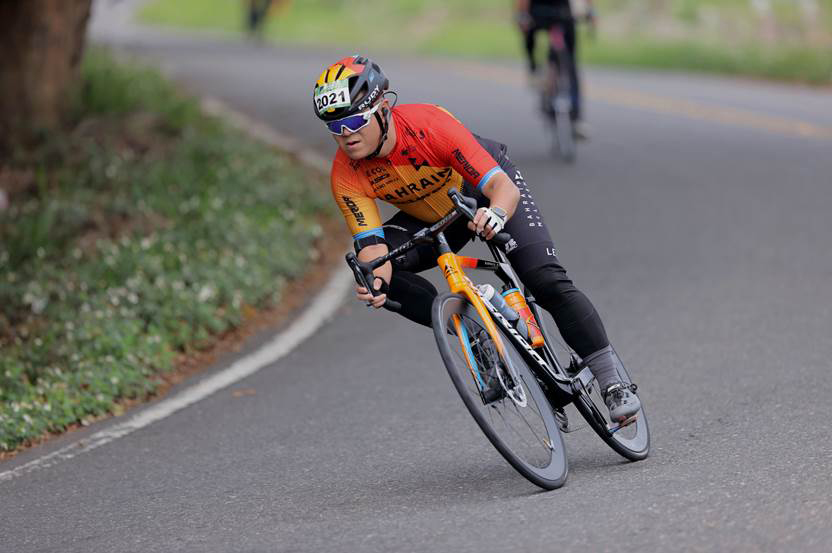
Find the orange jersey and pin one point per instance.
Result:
(433, 153)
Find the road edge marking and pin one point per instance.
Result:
(322, 309)
(313, 317)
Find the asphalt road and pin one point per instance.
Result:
(698, 221)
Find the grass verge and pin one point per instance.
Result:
(484, 28)
(133, 239)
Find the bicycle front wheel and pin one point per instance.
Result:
(501, 393)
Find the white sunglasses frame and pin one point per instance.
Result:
(366, 114)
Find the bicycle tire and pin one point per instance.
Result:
(549, 474)
(565, 130)
(631, 442)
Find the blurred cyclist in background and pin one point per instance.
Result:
(541, 15)
(259, 11)
(256, 12)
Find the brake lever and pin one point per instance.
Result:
(464, 205)
(363, 275)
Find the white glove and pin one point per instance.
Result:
(489, 222)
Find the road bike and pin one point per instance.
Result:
(557, 102)
(516, 393)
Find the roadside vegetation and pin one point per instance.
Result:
(131, 239)
(780, 39)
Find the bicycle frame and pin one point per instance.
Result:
(560, 385)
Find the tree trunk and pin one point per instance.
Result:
(41, 42)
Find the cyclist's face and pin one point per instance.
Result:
(358, 145)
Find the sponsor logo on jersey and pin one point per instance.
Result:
(375, 175)
(429, 182)
(360, 219)
(473, 173)
(414, 161)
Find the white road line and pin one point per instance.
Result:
(321, 309)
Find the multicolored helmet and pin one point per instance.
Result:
(347, 87)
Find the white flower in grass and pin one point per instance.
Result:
(47, 407)
(206, 293)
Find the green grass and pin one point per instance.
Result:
(145, 230)
(722, 36)
(788, 63)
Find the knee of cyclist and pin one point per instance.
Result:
(406, 286)
(548, 283)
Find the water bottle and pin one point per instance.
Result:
(518, 303)
(489, 293)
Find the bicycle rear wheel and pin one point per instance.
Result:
(632, 441)
(558, 108)
(508, 405)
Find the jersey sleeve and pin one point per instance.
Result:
(359, 210)
(457, 147)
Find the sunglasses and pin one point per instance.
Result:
(353, 123)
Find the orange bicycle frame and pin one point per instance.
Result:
(451, 265)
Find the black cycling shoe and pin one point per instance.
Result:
(561, 419)
(622, 401)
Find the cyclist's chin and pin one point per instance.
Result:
(356, 150)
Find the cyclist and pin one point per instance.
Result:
(410, 156)
(537, 15)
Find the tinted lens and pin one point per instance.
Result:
(353, 123)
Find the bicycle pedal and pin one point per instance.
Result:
(564, 424)
(623, 424)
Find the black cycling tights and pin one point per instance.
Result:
(532, 256)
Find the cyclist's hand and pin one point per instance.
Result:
(364, 295)
(486, 223)
(524, 21)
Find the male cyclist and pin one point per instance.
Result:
(410, 156)
(541, 15)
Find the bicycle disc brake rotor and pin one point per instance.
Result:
(516, 393)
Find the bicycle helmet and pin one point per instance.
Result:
(347, 87)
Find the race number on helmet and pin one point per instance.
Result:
(349, 86)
